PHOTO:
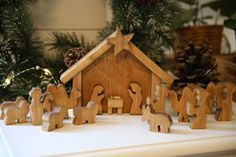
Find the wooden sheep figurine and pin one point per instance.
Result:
(16, 114)
(180, 105)
(97, 96)
(8, 104)
(135, 93)
(224, 103)
(197, 109)
(85, 114)
(159, 101)
(54, 119)
(115, 102)
(61, 98)
(159, 122)
(38, 107)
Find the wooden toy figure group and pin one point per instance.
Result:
(51, 108)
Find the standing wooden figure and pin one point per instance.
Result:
(38, 107)
(8, 104)
(97, 96)
(54, 119)
(85, 114)
(159, 101)
(224, 106)
(211, 100)
(135, 93)
(159, 122)
(198, 108)
(16, 114)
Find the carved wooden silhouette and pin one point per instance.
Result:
(16, 114)
(224, 103)
(114, 102)
(85, 114)
(54, 119)
(197, 109)
(97, 96)
(135, 93)
(61, 98)
(38, 106)
(179, 105)
(8, 104)
(159, 101)
(211, 100)
(158, 122)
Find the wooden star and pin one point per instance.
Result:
(120, 41)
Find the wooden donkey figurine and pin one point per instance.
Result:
(97, 96)
(8, 104)
(135, 93)
(159, 122)
(54, 119)
(17, 113)
(38, 107)
(179, 106)
(85, 114)
(159, 101)
(224, 103)
(197, 108)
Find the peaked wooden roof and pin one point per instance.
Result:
(102, 48)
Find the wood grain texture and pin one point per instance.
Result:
(115, 73)
(135, 92)
(155, 81)
(77, 84)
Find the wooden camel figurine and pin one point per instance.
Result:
(135, 93)
(159, 122)
(38, 106)
(197, 108)
(61, 98)
(97, 96)
(179, 106)
(16, 114)
(224, 105)
(159, 101)
(54, 119)
(85, 114)
(8, 104)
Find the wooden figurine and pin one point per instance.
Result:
(179, 105)
(159, 122)
(16, 114)
(54, 119)
(114, 64)
(97, 96)
(114, 102)
(9, 103)
(197, 109)
(135, 93)
(224, 105)
(211, 100)
(159, 101)
(38, 106)
(85, 114)
(61, 98)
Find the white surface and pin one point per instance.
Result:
(114, 135)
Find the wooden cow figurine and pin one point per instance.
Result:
(38, 107)
(61, 98)
(85, 114)
(180, 105)
(54, 119)
(159, 101)
(97, 96)
(224, 105)
(16, 114)
(197, 109)
(159, 122)
(135, 93)
(9, 103)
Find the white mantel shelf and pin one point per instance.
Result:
(117, 135)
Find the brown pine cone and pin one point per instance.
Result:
(73, 55)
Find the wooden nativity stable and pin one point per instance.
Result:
(115, 63)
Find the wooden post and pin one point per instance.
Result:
(77, 84)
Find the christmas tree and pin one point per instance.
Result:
(21, 56)
(194, 64)
(150, 20)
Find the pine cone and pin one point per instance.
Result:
(73, 55)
